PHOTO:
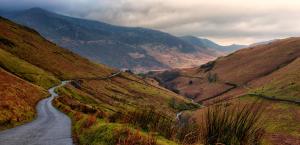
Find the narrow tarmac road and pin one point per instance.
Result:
(51, 127)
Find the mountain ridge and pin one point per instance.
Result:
(117, 46)
(206, 43)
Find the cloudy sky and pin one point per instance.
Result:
(225, 21)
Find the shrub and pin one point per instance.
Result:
(127, 137)
(208, 66)
(235, 124)
(91, 120)
(188, 131)
(212, 77)
(78, 116)
(168, 76)
(117, 116)
(7, 42)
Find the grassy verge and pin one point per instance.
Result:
(18, 99)
(233, 124)
(96, 121)
(93, 128)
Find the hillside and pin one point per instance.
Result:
(208, 44)
(238, 70)
(30, 64)
(121, 47)
(18, 100)
(268, 72)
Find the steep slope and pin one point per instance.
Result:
(28, 45)
(121, 47)
(281, 84)
(205, 43)
(18, 100)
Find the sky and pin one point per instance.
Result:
(224, 21)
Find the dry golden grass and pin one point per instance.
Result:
(18, 100)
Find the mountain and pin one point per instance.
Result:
(267, 72)
(121, 47)
(30, 64)
(205, 43)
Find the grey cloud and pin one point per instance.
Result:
(242, 21)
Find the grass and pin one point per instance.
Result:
(127, 92)
(181, 106)
(36, 50)
(144, 121)
(285, 83)
(26, 70)
(280, 119)
(235, 124)
(18, 100)
(90, 129)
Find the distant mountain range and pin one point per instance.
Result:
(205, 43)
(134, 48)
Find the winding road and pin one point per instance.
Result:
(51, 127)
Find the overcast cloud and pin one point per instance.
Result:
(225, 21)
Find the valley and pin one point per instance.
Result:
(37, 64)
(68, 80)
(138, 49)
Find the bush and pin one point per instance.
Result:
(168, 76)
(78, 116)
(208, 66)
(181, 106)
(7, 42)
(212, 77)
(235, 124)
(127, 137)
(91, 120)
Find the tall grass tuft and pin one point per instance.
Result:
(233, 125)
(185, 132)
(91, 120)
(127, 137)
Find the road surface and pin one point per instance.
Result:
(51, 127)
